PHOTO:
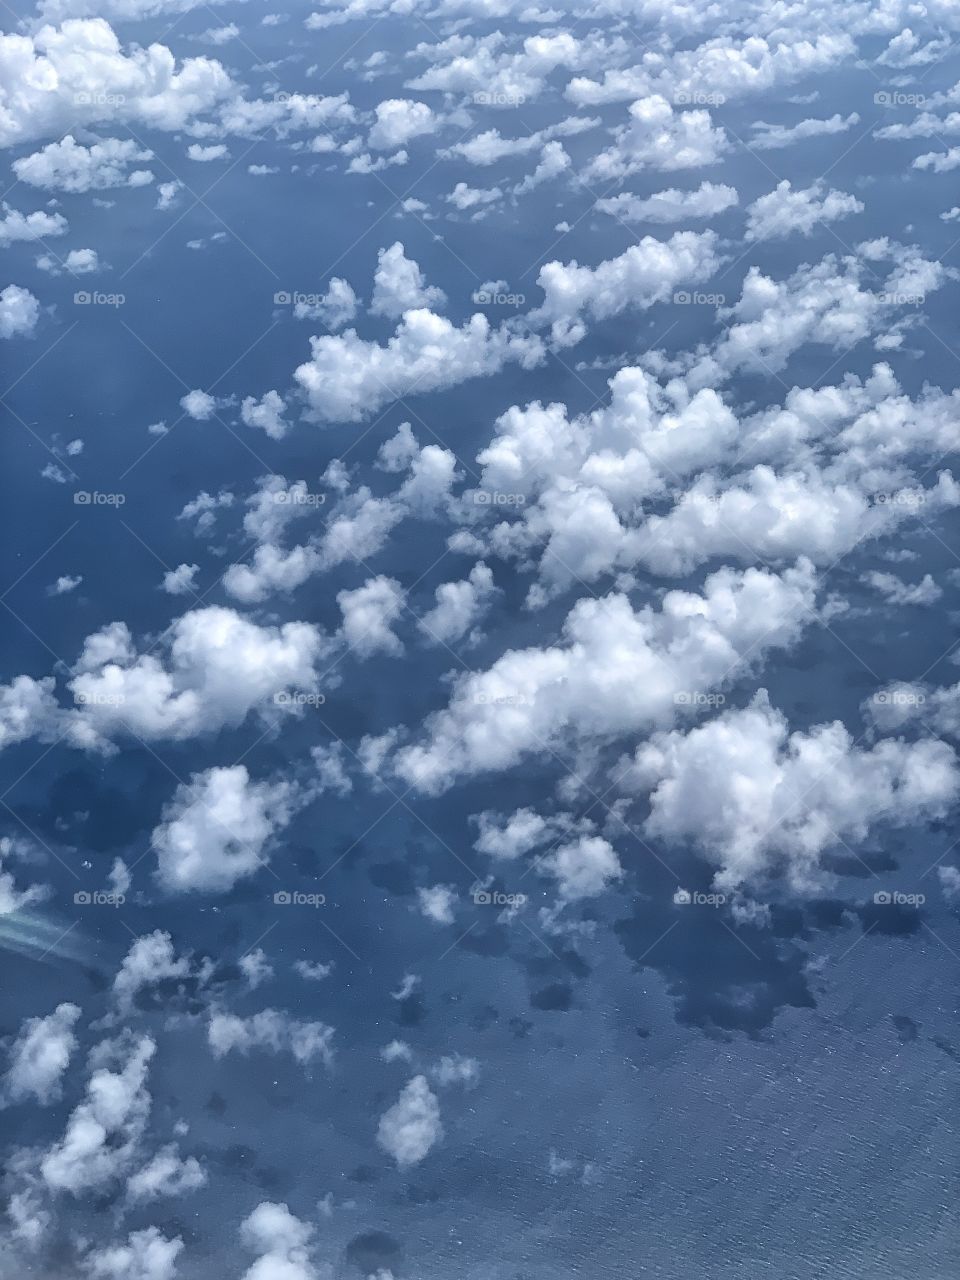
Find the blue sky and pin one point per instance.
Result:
(479, 702)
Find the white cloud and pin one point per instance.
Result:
(335, 308)
(19, 312)
(756, 798)
(411, 1127)
(213, 668)
(256, 968)
(397, 121)
(103, 1132)
(266, 414)
(459, 607)
(150, 960)
(348, 379)
(661, 138)
(368, 615)
(616, 671)
(272, 1030)
(672, 205)
(771, 137)
(199, 405)
(67, 165)
(583, 868)
(204, 155)
(78, 74)
(398, 285)
(896, 591)
(40, 1055)
(438, 902)
(147, 1255)
(217, 830)
(16, 226)
(643, 274)
(510, 837)
(281, 1241)
(182, 580)
(784, 211)
(166, 1174)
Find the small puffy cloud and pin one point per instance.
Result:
(217, 830)
(756, 798)
(398, 285)
(368, 614)
(213, 669)
(146, 1255)
(616, 671)
(643, 274)
(266, 414)
(771, 137)
(896, 591)
(19, 312)
(437, 903)
(335, 308)
(182, 580)
(660, 138)
(203, 155)
(397, 121)
(510, 837)
(464, 197)
(411, 1127)
(65, 584)
(281, 1243)
(583, 868)
(69, 166)
(103, 1133)
(16, 226)
(255, 967)
(166, 1174)
(785, 211)
(459, 607)
(151, 959)
(273, 1031)
(40, 1055)
(348, 379)
(672, 205)
(199, 405)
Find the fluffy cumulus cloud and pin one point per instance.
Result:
(459, 606)
(398, 120)
(645, 273)
(69, 166)
(398, 285)
(40, 1055)
(274, 1031)
(785, 211)
(659, 137)
(145, 1255)
(615, 671)
(217, 829)
(369, 613)
(281, 1242)
(16, 226)
(672, 205)
(104, 1131)
(348, 379)
(213, 669)
(411, 1127)
(78, 73)
(19, 312)
(756, 798)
